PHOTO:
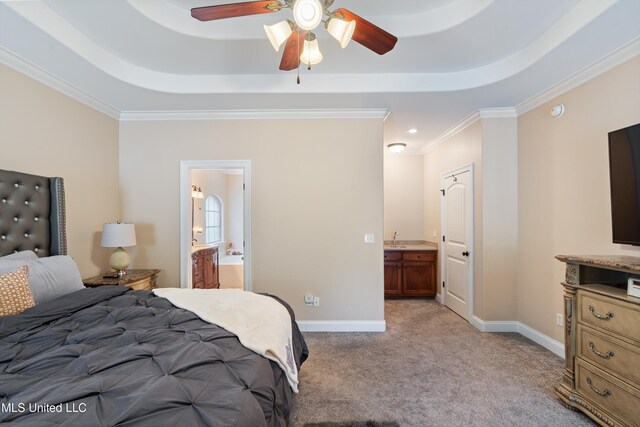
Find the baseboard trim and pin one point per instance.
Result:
(342, 325)
(494, 325)
(550, 344)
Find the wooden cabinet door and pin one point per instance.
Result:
(392, 278)
(197, 273)
(419, 278)
(208, 271)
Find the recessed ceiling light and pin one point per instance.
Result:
(412, 131)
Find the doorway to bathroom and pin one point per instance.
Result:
(216, 213)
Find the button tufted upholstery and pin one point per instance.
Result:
(32, 214)
(134, 359)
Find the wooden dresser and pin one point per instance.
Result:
(602, 339)
(204, 268)
(144, 280)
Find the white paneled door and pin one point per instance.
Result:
(457, 245)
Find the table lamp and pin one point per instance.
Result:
(118, 236)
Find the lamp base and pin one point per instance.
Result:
(119, 261)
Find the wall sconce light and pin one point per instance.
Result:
(397, 147)
(196, 192)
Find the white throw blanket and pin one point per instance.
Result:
(261, 323)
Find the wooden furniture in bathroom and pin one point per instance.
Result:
(204, 268)
(410, 273)
(602, 339)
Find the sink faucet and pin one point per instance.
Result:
(395, 236)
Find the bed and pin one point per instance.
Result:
(114, 356)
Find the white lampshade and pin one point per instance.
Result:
(311, 54)
(396, 147)
(278, 33)
(341, 30)
(117, 235)
(307, 13)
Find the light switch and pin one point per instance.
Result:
(369, 238)
(435, 233)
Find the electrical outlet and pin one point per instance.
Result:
(316, 301)
(369, 238)
(558, 319)
(435, 233)
(308, 300)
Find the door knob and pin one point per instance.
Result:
(465, 253)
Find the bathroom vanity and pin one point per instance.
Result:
(204, 267)
(410, 269)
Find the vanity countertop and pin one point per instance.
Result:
(411, 245)
(200, 247)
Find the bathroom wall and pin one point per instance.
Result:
(403, 196)
(212, 183)
(234, 211)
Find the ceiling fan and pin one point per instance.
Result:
(342, 24)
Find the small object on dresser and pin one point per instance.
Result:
(633, 287)
(135, 279)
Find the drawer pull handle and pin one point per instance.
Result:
(604, 393)
(607, 316)
(607, 355)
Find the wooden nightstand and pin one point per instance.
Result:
(135, 279)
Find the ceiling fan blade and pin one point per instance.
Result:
(223, 11)
(369, 35)
(293, 49)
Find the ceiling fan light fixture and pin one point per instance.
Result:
(307, 14)
(311, 54)
(279, 33)
(341, 30)
(397, 147)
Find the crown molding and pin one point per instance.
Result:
(362, 113)
(31, 70)
(498, 113)
(618, 57)
(452, 131)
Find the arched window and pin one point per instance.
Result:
(213, 219)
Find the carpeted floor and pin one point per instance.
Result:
(430, 368)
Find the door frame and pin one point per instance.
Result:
(185, 214)
(467, 168)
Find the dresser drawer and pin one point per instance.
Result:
(609, 353)
(610, 314)
(419, 256)
(392, 256)
(604, 390)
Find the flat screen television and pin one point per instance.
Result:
(624, 171)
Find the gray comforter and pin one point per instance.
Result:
(111, 356)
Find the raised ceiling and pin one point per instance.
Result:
(453, 57)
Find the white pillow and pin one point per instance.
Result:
(49, 277)
(19, 256)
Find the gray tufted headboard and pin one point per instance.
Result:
(32, 214)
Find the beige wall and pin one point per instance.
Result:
(315, 194)
(235, 211)
(44, 132)
(499, 218)
(563, 187)
(460, 150)
(404, 197)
